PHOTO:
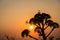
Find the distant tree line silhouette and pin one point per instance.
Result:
(7, 37)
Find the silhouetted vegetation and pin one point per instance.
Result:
(26, 33)
(7, 37)
(42, 21)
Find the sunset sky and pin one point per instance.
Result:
(15, 13)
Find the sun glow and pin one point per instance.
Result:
(31, 27)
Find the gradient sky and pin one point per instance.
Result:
(14, 13)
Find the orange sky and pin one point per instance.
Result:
(14, 13)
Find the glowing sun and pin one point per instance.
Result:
(31, 27)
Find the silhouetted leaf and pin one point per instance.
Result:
(38, 30)
(25, 33)
(55, 25)
(49, 22)
(47, 16)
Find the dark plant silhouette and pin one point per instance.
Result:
(26, 33)
(9, 38)
(42, 21)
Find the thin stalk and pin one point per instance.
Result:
(33, 37)
(50, 32)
